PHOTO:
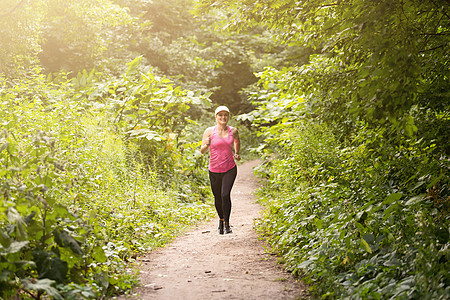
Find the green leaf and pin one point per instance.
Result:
(387, 212)
(133, 65)
(99, 254)
(416, 199)
(360, 227)
(319, 223)
(44, 285)
(13, 248)
(434, 181)
(50, 266)
(369, 238)
(365, 245)
(306, 263)
(67, 255)
(18, 222)
(392, 198)
(63, 239)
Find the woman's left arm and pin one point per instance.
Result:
(237, 144)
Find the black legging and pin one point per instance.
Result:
(221, 184)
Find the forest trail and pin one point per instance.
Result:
(202, 264)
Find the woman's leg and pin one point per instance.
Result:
(226, 186)
(216, 186)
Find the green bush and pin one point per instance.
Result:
(79, 197)
(364, 220)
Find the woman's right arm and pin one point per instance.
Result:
(206, 140)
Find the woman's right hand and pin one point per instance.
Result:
(206, 141)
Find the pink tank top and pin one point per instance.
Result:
(221, 152)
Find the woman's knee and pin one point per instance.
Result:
(226, 196)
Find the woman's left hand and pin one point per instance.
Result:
(237, 157)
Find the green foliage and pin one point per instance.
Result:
(356, 145)
(362, 220)
(185, 47)
(80, 192)
(77, 35)
(377, 58)
(352, 103)
(69, 35)
(18, 40)
(153, 115)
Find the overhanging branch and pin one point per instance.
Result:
(434, 48)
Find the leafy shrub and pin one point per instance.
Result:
(359, 221)
(358, 210)
(79, 197)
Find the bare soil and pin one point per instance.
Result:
(202, 264)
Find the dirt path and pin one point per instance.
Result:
(205, 265)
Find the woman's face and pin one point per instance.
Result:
(222, 117)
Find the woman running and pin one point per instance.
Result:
(222, 167)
